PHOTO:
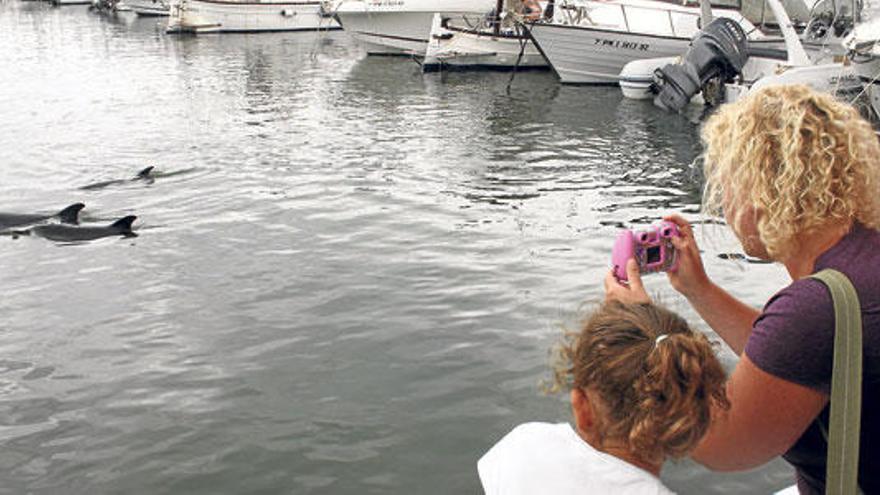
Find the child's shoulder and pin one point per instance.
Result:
(551, 458)
(527, 437)
(539, 429)
(522, 458)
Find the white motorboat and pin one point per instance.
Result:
(637, 77)
(722, 66)
(837, 78)
(492, 46)
(402, 27)
(149, 7)
(245, 16)
(589, 41)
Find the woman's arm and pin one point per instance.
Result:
(729, 317)
(766, 417)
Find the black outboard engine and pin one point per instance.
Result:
(718, 51)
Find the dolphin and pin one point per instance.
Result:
(742, 257)
(70, 233)
(145, 175)
(68, 215)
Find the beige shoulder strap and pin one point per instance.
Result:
(846, 386)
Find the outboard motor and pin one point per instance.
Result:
(718, 51)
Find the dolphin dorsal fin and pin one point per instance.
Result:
(145, 173)
(71, 213)
(124, 223)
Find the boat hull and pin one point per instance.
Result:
(217, 16)
(398, 33)
(637, 77)
(149, 8)
(402, 27)
(452, 48)
(583, 55)
(839, 79)
(71, 2)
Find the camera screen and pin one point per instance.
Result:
(653, 254)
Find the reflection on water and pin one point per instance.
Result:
(347, 279)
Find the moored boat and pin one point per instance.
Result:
(457, 48)
(721, 66)
(403, 27)
(215, 16)
(149, 7)
(71, 2)
(589, 41)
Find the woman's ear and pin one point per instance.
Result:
(582, 410)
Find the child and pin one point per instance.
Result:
(643, 386)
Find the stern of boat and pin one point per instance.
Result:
(182, 20)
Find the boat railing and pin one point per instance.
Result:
(629, 18)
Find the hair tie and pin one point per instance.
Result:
(660, 338)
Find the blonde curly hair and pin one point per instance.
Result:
(799, 157)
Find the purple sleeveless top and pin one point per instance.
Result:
(793, 339)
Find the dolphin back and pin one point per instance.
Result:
(71, 213)
(73, 233)
(146, 173)
(9, 220)
(123, 225)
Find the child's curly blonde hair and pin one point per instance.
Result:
(800, 158)
(656, 397)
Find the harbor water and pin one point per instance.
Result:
(348, 274)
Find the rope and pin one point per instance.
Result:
(837, 84)
(523, 41)
(322, 30)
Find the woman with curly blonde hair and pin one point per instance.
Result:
(796, 174)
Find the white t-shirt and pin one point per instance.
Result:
(542, 458)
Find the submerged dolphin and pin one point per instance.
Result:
(144, 175)
(68, 215)
(742, 257)
(69, 233)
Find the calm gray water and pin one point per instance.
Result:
(349, 280)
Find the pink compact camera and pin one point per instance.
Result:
(652, 249)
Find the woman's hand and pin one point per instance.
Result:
(633, 292)
(690, 277)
